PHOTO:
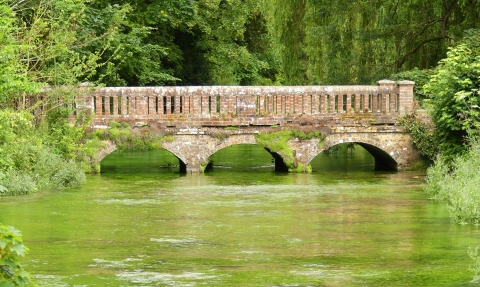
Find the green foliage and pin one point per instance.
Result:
(231, 128)
(230, 42)
(276, 142)
(26, 162)
(207, 165)
(436, 178)
(423, 135)
(420, 77)
(12, 79)
(347, 42)
(131, 54)
(457, 183)
(11, 248)
(127, 138)
(453, 91)
(234, 42)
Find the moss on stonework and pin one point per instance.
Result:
(278, 142)
(207, 165)
(125, 137)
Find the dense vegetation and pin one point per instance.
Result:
(454, 104)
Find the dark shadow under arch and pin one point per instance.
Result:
(383, 161)
(280, 165)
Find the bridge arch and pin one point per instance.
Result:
(110, 147)
(249, 139)
(182, 160)
(384, 150)
(391, 149)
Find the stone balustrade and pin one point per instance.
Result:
(214, 102)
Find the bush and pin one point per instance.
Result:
(27, 163)
(454, 98)
(52, 171)
(423, 135)
(16, 183)
(458, 185)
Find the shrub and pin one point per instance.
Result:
(423, 135)
(454, 98)
(458, 185)
(17, 183)
(27, 163)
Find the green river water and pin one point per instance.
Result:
(141, 223)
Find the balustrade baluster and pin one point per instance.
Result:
(340, 103)
(357, 103)
(348, 108)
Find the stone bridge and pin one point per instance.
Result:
(200, 121)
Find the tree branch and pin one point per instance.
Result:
(443, 34)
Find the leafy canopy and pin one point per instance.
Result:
(454, 97)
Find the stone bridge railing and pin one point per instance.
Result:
(245, 105)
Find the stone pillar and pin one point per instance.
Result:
(176, 103)
(115, 105)
(123, 106)
(340, 104)
(331, 103)
(269, 104)
(366, 103)
(348, 108)
(388, 88)
(357, 103)
(98, 105)
(323, 104)
(106, 104)
(405, 91)
(152, 105)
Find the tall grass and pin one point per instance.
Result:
(458, 183)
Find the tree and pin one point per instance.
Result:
(454, 93)
(348, 42)
(13, 80)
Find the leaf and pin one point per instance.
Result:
(19, 248)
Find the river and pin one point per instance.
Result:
(141, 223)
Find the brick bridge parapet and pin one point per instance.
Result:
(198, 117)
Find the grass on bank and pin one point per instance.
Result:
(458, 184)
